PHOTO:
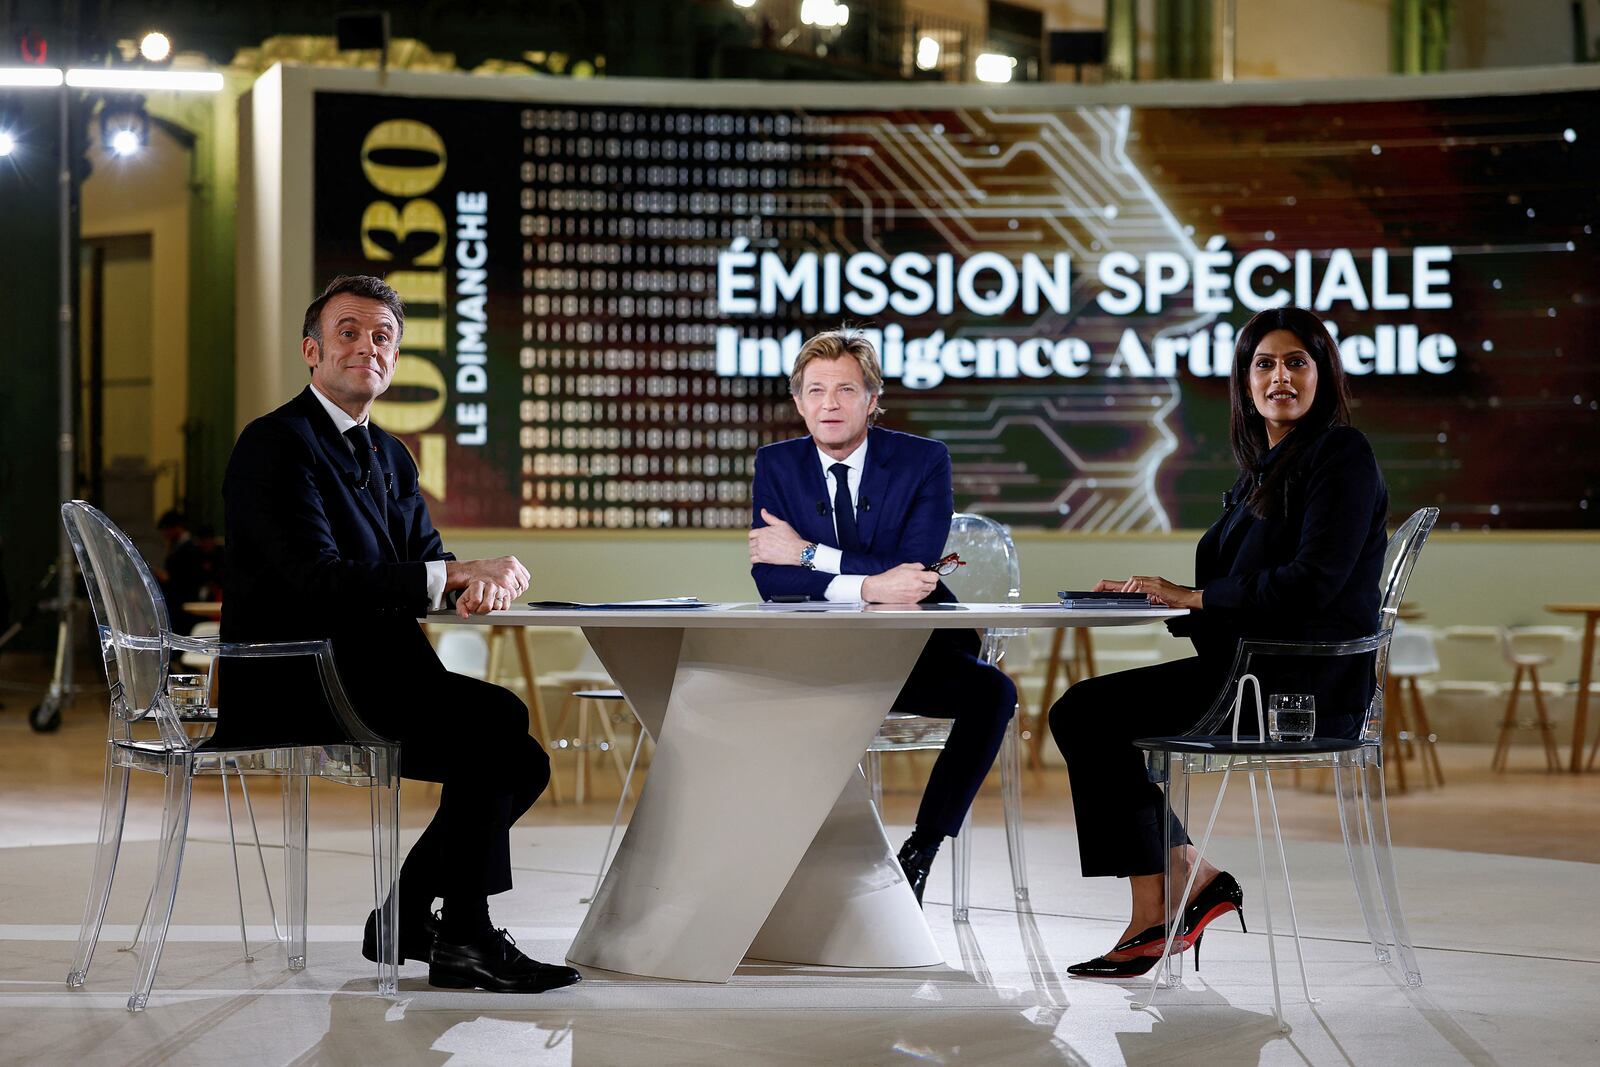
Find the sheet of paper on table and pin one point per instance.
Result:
(669, 603)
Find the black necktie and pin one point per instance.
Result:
(844, 510)
(371, 476)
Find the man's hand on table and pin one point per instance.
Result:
(905, 584)
(485, 585)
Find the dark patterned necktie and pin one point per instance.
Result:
(371, 477)
(844, 509)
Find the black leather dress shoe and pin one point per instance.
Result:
(493, 962)
(416, 939)
(916, 863)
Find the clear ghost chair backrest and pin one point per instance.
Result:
(1311, 659)
(130, 615)
(993, 574)
(1398, 561)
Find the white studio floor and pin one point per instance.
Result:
(1510, 962)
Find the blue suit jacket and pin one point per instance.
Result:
(902, 508)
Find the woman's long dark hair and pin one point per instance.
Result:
(1247, 430)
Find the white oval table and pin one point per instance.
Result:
(754, 834)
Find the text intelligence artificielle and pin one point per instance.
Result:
(991, 285)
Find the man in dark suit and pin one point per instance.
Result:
(329, 537)
(855, 512)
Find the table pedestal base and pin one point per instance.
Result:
(757, 748)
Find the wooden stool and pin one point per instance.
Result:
(1079, 664)
(591, 705)
(1527, 665)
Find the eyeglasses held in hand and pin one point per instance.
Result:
(947, 565)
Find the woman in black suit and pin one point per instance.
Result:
(1296, 554)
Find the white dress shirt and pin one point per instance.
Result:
(845, 588)
(342, 422)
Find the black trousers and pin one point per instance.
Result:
(949, 681)
(472, 738)
(1119, 810)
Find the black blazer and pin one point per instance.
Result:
(309, 557)
(1307, 571)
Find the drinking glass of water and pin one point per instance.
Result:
(1291, 716)
(188, 694)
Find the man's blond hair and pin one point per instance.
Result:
(839, 344)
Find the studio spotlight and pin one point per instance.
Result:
(994, 67)
(927, 53)
(155, 47)
(124, 127)
(8, 143)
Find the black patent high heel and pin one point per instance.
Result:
(1147, 943)
(1220, 896)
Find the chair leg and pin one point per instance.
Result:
(1011, 803)
(1358, 852)
(540, 724)
(1288, 884)
(1391, 732)
(1425, 738)
(174, 828)
(385, 794)
(1593, 748)
(1266, 906)
(583, 749)
(1552, 756)
(113, 810)
(1502, 746)
(261, 858)
(1173, 927)
(604, 714)
(616, 820)
(296, 800)
(1383, 859)
(233, 851)
(961, 871)
(1408, 729)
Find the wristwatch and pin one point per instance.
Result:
(808, 556)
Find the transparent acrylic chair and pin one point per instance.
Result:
(1357, 764)
(145, 734)
(198, 714)
(992, 575)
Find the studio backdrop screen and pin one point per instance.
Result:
(603, 301)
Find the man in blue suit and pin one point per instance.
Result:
(329, 537)
(854, 512)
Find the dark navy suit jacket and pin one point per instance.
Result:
(309, 557)
(903, 508)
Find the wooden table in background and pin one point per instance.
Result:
(1580, 711)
